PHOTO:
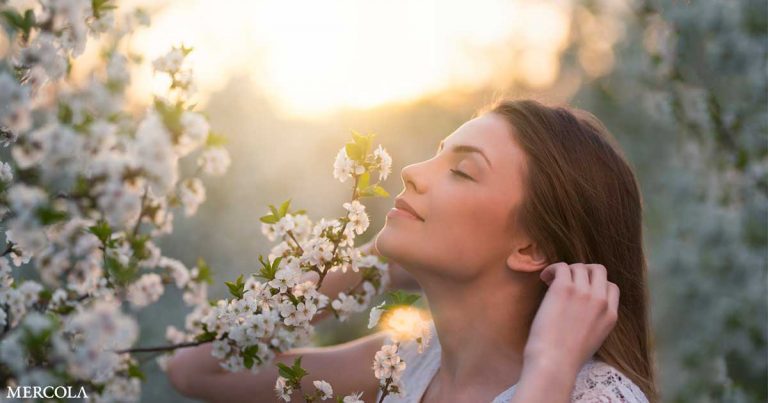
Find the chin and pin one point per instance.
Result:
(398, 247)
(386, 242)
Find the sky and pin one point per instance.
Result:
(315, 57)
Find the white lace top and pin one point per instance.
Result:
(596, 381)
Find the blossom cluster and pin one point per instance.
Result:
(88, 187)
(271, 311)
(404, 324)
(85, 188)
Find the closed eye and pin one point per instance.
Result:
(461, 174)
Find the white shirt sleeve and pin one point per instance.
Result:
(600, 382)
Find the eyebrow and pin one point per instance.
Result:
(463, 148)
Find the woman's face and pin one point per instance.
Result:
(465, 228)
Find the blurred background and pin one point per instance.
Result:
(681, 84)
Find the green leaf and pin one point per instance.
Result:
(207, 335)
(101, 230)
(363, 180)
(100, 6)
(269, 219)
(186, 50)
(269, 269)
(135, 372)
(48, 215)
(298, 371)
(354, 152)
(13, 18)
(249, 356)
(204, 271)
(65, 113)
(285, 371)
(363, 141)
(237, 288)
(399, 298)
(138, 244)
(215, 140)
(171, 116)
(19, 22)
(284, 207)
(119, 273)
(380, 191)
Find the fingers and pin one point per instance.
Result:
(613, 299)
(590, 278)
(598, 279)
(555, 271)
(581, 277)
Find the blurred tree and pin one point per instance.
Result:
(692, 86)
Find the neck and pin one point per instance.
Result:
(482, 326)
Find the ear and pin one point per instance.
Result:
(526, 257)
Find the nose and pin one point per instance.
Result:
(411, 177)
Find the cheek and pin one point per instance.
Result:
(471, 225)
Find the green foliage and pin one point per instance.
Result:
(277, 213)
(23, 23)
(293, 373)
(360, 146)
(215, 140)
(171, 116)
(204, 271)
(399, 298)
(250, 356)
(269, 269)
(48, 215)
(102, 231)
(365, 189)
(119, 273)
(134, 371)
(206, 335)
(237, 289)
(101, 6)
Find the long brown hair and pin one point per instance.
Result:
(582, 204)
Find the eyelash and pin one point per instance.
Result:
(461, 174)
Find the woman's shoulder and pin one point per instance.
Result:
(598, 381)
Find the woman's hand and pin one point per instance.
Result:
(578, 312)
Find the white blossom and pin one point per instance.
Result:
(354, 398)
(170, 62)
(195, 131)
(214, 161)
(283, 389)
(344, 167)
(383, 162)
(387, 363)
(146, 290)
(325, 389)
(358, 218)
(192, 195)
(375, 315)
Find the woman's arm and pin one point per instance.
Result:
(578, 312)
(195, 373)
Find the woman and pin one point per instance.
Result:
(510, 197)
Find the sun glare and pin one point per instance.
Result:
(311, 57)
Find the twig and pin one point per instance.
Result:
(8, 248)
(141, 211)
(162, 348)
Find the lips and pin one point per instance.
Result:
(401, 204)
